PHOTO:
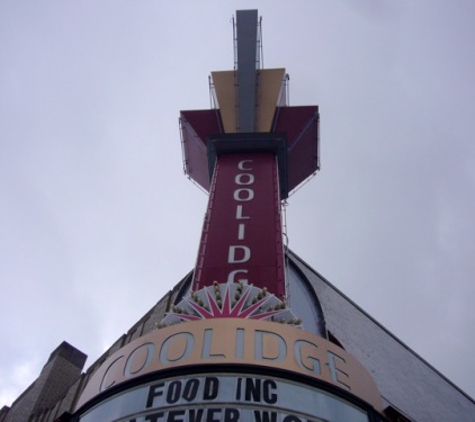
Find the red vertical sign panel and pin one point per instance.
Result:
(242, 232)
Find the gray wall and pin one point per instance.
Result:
(404, 379)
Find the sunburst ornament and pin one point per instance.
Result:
(234, 300)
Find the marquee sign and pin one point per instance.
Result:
(224, 397)
(225, 341)
(249, 152)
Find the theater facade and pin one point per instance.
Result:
(252, 333)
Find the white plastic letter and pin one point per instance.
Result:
(241, 165)
(246, 254)
(244, 179)
(232, 274)
(239, 215)
(247, 194)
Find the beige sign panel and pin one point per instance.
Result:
(270, 85)
(225, 90)
(270, 82)
(234, 341)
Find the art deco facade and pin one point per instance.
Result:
(252, 333)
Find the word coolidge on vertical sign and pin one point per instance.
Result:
(242, 235)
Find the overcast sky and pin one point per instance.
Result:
(97, 220)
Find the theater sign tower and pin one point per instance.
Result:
(234, 347)
(253, 333)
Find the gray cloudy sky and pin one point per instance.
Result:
(97, 220)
